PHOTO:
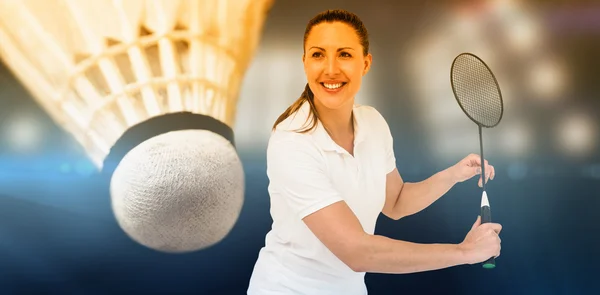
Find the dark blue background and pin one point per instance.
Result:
(58, 235)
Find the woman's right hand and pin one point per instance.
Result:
(482, 242)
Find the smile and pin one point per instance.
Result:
(333, 86)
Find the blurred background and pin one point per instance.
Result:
(58, 234)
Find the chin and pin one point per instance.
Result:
(334, 103)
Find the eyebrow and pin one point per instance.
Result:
(339, 49)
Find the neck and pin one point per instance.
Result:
(338, 122)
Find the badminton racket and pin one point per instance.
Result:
(477, 92)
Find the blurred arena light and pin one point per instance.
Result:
(546, 79)
(65, 168)
(509, 36)
(522, 34)
(429, 62)
(22, 132)
(516, 139)
(522, 28)
(576, 134)
(84, 168)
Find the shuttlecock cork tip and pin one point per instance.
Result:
(176, 182)
(179, 192)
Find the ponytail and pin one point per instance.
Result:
(307, 95)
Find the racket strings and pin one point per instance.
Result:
(476, 90)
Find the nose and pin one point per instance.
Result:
(332, 67)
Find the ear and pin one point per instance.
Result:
(368, 62)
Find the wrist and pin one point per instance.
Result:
(449, 176)
(464, 254)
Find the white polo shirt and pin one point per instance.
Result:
(307, 172)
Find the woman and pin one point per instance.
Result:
(332, 171)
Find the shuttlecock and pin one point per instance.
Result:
(149, 88)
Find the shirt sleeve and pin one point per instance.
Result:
(388, 141)
(297, 171)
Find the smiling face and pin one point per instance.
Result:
(334, 63)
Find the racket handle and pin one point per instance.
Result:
(486, 217)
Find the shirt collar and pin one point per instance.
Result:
(302, 119)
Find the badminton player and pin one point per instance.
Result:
(332, 172)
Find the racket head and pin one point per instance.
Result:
(476, 90)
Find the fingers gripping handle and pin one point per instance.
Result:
(486, 217)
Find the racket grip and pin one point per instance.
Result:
(486, 217)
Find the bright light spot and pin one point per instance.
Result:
(65, 168)
(523, 35)
(547, 79)
(576, 135)
(84, 168)
(516, 139)
(23, 133)
(521, 29)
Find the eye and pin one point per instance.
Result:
(345, 54)
(317, 54)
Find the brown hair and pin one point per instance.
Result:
(329, 16)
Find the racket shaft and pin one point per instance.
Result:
(482, 159)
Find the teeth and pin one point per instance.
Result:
(333, 86)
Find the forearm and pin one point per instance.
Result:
(417, 196)
(379, 254)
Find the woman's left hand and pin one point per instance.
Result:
(469, 167)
